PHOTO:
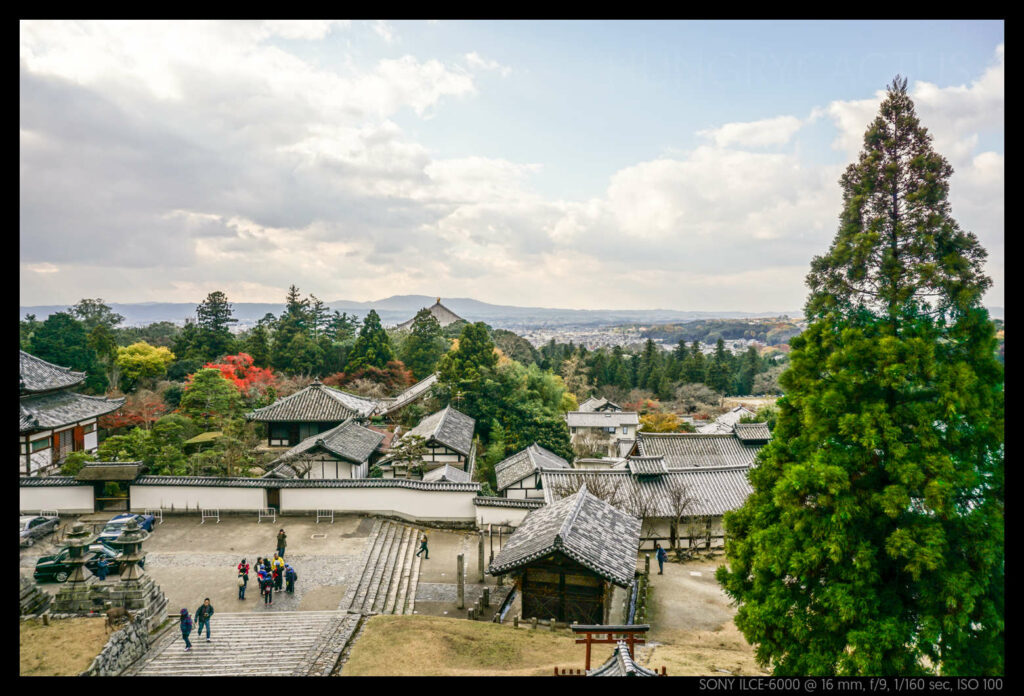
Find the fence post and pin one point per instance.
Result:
(647, 564)
(480, 557)
(460, 581)
(486, 599)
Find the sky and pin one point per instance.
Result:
(591, 165)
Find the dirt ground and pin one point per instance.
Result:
(692, 629)
(64, 648)
(751, 402)
(438, 646)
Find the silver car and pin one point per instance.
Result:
(34, 527)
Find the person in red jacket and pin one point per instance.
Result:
(243, 578)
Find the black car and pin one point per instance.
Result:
(55, 567)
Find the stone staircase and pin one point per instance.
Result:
(297, 643)
(390, 572)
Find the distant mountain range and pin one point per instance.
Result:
(397, 308)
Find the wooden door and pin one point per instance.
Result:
(79, 438)
(274, 498)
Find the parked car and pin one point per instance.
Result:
(116, 525)
(34, 527)
(55, 567)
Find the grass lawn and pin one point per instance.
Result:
(64, 648)
(433, 645)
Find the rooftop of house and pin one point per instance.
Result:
(443, 315)
(349, 441)
(523, 463)
(601, 419)
(38, 375)
(59, 408)
(687, 450)
(317, 403)
(449, 427)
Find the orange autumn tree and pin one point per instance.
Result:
(252, 382)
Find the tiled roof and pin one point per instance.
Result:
(316, 403)
(620, 664)
(303, 483)
(723, 424)
(443, 315)
(601, 419)
(40, 481)
(110, 471)
(37, 375)
(583, 528)
(447, 473)
(623, 447)
(712, 490)
(449, 427)
(753, 432)
(523, 463)
(350, 441)
(509, 502)
(647, 466)
(685, 450)
(411, 394)
(595, 404)
(43, 411)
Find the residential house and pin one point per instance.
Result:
(308, 412)
(54, 420)
(596, 404)
(724, 423)
(517, 475)
(345, 451)
(602, 429)
(448, 438)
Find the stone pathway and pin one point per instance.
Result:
(390, 576)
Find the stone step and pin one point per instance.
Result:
(382, 563)
(414, 581)
(387, 532)
(407, 566)
(402, 568)
(350, 594)
(393, 568)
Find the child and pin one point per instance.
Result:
(186, 628)
(267, 588)
(291, 576)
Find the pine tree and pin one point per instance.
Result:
(872, 543)
(424, 345)
(718, 370)
(695, 367)
(372, 348)
(213, 318)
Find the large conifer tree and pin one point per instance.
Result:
(372, 348)
(873, 540)
(424, 346)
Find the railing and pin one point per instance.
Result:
(266, 514)
(213, 514)
(49, 513)
(157, 513)
(324, 515)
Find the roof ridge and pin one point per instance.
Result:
(570, 519)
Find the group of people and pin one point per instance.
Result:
(202, 618)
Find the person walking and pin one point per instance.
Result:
(278, 566)
(291, 576)
(243, 578)
(186, 627)
(662, 556)
(423, 547)
(101, 569)
(203, 615)
(282, 541)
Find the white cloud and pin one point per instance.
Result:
(474, 60)
(384, 31)
(769, 131)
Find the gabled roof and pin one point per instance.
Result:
(601, 419)
(723, 424)
(447, 473)
(449, 427)
(37, 375)
(349, 441)
(712, 491)
(752, 432)
(110, 471)
(411, 394)
(686, 450)
(56, 409)
(443, 315)
(646, 466)
(317, 403)
(581, 527)
(523, 463)
(596, 404)
(620, 664)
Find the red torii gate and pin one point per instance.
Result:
(608, 634)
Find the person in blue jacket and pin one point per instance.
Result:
(662, 556)
(186, 628)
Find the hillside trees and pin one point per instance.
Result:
(873, 540)
(213, 319)
(424, 345)
(372, 348)
(62, 340)
(141, 361)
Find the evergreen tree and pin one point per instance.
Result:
(210, 399)
(62, 340)
(372, 348)
(257, 344)
(748, 369)
(695, 364)
(28, 326)
(424, 345)
(462, 370)
(873, 540)
(93, 313)
(186, 344)
(293, 321)
(718, 374)
(213, 319)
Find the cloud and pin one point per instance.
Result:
(384, 31)
(474, 60)
(769, 131)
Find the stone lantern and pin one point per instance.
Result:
(130, 543)
(74, 596)
(137, 591)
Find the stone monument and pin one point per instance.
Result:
(75, 597)
(137, 592)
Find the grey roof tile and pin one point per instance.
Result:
(685, 450)
(449, 427)
(349, 441)
(647, 466)
(523, 463)
(509, 502)
(601, 419)
(583, 528)
(752, 432)
(38, 375)
(443, 315)
(416, 391)
(620, 664)
(447, 473)
(317, 403)
(595, 404)
(56, 409)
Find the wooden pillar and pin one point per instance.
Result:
(460, 581)
(480, 558)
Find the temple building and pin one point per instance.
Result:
(518, 476)
(443, 315)
(448, 437)
(56, 421)
(308, 412)
(345, 451)
(573, 560)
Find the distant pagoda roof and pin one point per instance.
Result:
(317, 403)
(37, 375)
(443, 315)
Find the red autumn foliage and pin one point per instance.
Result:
(140, 409)
(642, 406)
(394, 377)
(238, 369)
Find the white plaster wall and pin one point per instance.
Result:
(197, 497)
(450, 506)
(500, 515)
(69, 499)
(91, 441)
